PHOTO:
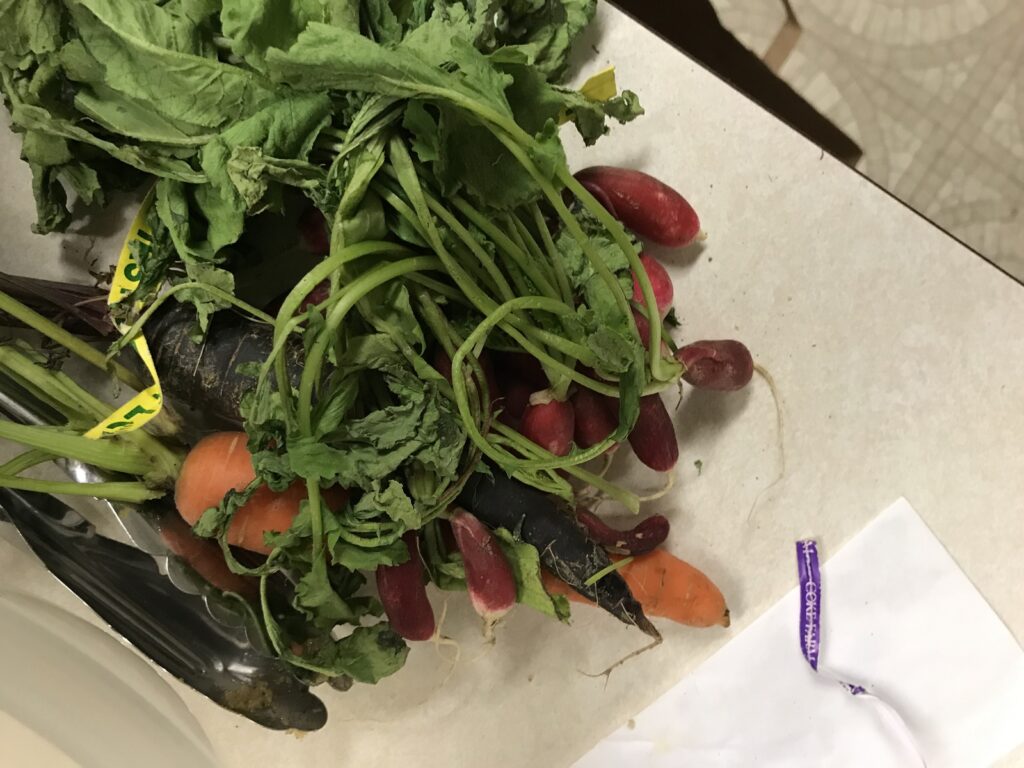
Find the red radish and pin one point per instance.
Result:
(641, 538)
(524, 367)
(643, 328)
(516, 399)
(660, 282)
(404, 595)
(313, 234)
(489, 579)
(447, 536)
(550, 424)
(645, 205)
(319, 294)
(596, 416)
(220, 463)
(521, 375)
(722, 365)
(653, 437)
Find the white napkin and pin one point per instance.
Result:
(898, 617)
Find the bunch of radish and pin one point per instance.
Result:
(578, 550)
(659, 214)
(664, 585)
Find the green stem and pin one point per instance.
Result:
(436, 322)
(659, 369)
(323, 270)
(133, 493)
(441, 289)
(610, 568)
(450, 341)
(26, 460)
(504, 243)
(571, 349)
(109, 454)
(316, 527)
(476, 268)
(17, 310)
(409, 182)
(507, 460)
(73, 401)
(524, 236)
(352, 294)
(497, 278)
(572, 225)
(525, 274)
(553, 363)
(286, 322)
(552, 253)
(507, 123)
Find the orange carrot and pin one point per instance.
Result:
(665, 586)
(205, 558)
(220, 463)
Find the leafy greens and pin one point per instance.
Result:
(425, 135)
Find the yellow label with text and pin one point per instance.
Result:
(147, 403)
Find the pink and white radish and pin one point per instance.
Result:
(489, 578)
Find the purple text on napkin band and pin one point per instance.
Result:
(809, 572)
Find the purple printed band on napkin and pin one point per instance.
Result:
(810, 607)
(810, 589)
(809, 571)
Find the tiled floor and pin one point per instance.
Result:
(932, 90)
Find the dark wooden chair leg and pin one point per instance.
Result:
(693, 26)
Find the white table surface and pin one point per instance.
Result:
(898, 356)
